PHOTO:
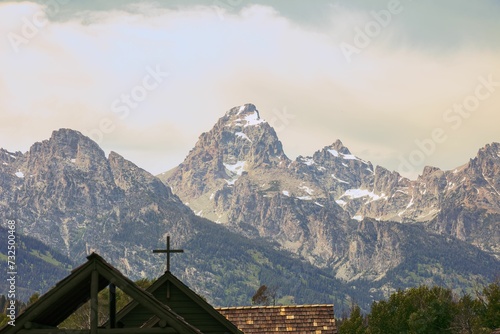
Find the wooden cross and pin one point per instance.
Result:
(168, 251)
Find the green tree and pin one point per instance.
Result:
(264, 296)
(416, 310)
(467, 320)
(386, 316)
(34, 297)
(355, 324)
(261, 296)
(3, 319)
(144, 283)
(490, 306)
(80, 319)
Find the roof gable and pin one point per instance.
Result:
(76, 289)
(172, 292)
(303, 319)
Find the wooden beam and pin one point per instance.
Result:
(149, 302)
(55, 295)
(156, 330)
(34, 325)
(112, 306)
(94, 305)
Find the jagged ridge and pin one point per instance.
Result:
(310, 206)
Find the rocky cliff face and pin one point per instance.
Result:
(470, 209)
(240, 141)
(71, 200)
(279, 220)
(463, 203)
(74, 199)
(238, 175)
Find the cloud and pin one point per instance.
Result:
(72, 72)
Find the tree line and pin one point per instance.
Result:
(428, 310)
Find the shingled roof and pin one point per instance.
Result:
(298, 319)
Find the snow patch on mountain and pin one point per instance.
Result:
(253, 119)
(242, 135)
(359, 193)
(410, 204)
(334, 153)
(306, 189)
(307, 161)
(235, 170)
(238, 168)
(341, 202)
(305, 198)
(336, 178)
(407, 207)
(353, 157)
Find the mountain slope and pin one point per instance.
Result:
(74, 199)
(38, 267)
(237, 174)
(280, 229)
(66, 193)
(311, 206)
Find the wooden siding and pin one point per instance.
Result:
(184, 302)
(182, 305)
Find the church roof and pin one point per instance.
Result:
(298, 319)
(181, 299)
(167, 306)
(76, 289)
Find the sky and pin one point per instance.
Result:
(404, 84)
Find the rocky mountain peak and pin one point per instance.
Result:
(489, 152)
(69, 149)
(486, 163)
(339, 147)
(484, 169)
(6, 157)
(239, 144)
(71, 143)
(242, 110)
(429, 170)
(337, 151)
(239, 140)
(337, 159)
(242, 117)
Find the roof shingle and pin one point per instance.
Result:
(297, 319)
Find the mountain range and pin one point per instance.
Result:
(238, 175)
(330, 227)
